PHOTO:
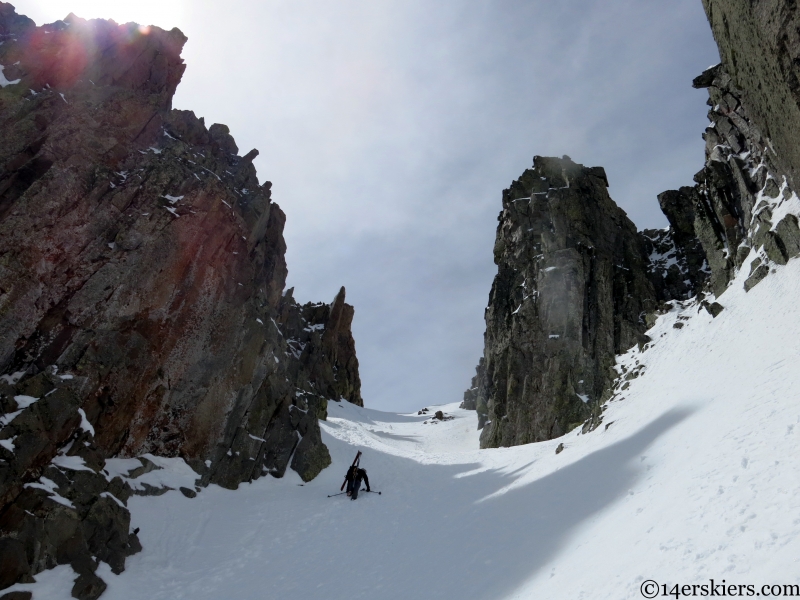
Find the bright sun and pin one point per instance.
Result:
(164, 13)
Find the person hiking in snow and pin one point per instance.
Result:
(355, 475)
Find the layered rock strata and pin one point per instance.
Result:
(141, 297)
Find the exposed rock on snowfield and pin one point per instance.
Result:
(549, 338)
(141, 297)
(571, 292)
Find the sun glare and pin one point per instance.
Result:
(163, 13)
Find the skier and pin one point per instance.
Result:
(355, 475)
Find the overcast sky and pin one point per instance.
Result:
(389, 129)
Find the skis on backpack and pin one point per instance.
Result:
(355, 464)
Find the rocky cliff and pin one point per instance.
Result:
(141, 298)
(577, 284)
(571, 292)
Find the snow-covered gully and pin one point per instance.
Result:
(692, 475)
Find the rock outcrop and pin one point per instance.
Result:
(570, 264)
(678, 267)
(470, 401)
(745, 210)
(743, 207)
(752, 156)
(141, 297)
(571, 291)
(759, 44)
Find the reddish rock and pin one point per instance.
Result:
(141, 278)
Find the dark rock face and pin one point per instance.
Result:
(141, 297)
(319, 338)
(571, 291)
(678, 267)
(752, 156)
(17, 596)
(322, 365)
(743, 195)
(470, 401)
(760, 50)
(741, 213)
(73, 513)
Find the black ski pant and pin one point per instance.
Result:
(356, 487)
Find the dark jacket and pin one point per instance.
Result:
(355, 474)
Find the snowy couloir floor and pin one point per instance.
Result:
(697, 477)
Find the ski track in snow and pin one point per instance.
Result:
(695, 478)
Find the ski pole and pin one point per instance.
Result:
(371, 492)
(332, 495)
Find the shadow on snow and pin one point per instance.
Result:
(428, 536)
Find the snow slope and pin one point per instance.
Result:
(696, 477)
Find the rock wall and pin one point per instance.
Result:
(470, 401)
(745, 209)
(743, 204)
(678, 267)
(570, 264)
(571, 291)
(745, 193)
(759, 44)
(141, 297)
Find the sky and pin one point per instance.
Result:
(389, 129)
